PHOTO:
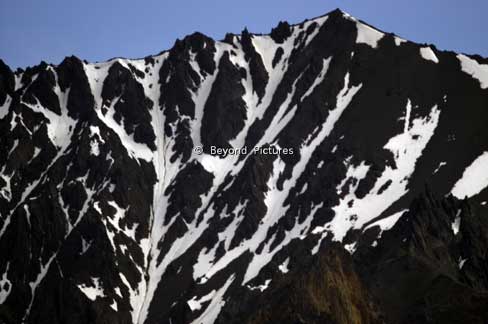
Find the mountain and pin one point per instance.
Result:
(327, 172)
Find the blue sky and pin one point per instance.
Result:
(96, 30)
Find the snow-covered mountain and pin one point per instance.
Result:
(366, 202)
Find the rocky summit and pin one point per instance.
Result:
(351, 184)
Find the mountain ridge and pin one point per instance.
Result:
(335, 11)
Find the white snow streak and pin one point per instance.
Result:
(457, 222)
(474, 179)
(4, 108)
(407, 147)
(441, 164)
(262, 287)
(213, 310)
(386, 223)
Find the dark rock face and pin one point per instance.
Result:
(422, 261)
(321, 289)
(356, 190)
(132, 107)
(224, 114)
(256, 66)
(281, 32)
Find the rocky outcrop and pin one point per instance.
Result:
(420, 268)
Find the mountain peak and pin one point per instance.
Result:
(230, 181)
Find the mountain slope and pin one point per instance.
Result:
(109, 214)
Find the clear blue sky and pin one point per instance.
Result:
(96, 30)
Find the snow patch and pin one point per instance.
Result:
(399, 41)
(5, 286)
(320, 21)
(59, 127)
(284, 266)
(474, 178)
(320, 78)
(351, 248)
(93, 291)
(457, 222)
(462, 262)
(387, 223)
(262, 287)
(428, 54)
(114, 305)
(94, 149)
(196, 303)
(6, 191)
(368, 35)
(475, 69)
(441, 164)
